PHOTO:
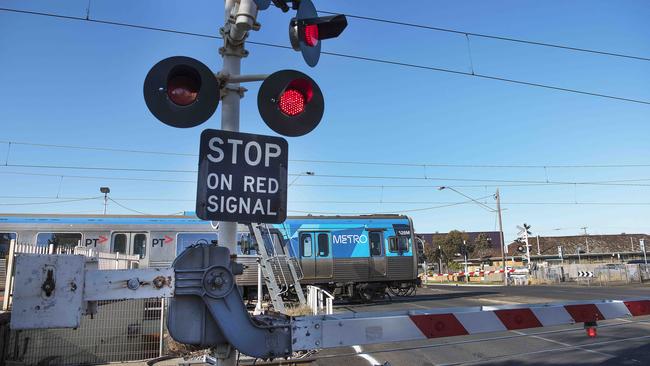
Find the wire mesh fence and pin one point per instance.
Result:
(123, 330)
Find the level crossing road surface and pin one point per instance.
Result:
(619, 342)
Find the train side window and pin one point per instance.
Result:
(375, 243)
(119, 243)
(184, 240)
(140, 245)
(392, 244)
(59, 240)
(5, 240)
(305, 245)
(323, 245)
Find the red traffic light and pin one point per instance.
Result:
(306, 31)
(181, 92)
(294, 98)
(311, 35)
(290, 103)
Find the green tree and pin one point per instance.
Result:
(453, 244)
(481, 246)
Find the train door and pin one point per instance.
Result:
(129, 243)
(315, 255)
(322, 249)
(377, 255)
(307, 256)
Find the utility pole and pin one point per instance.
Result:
(503, 243)
(439, 260)
(538, 251)
(586, 241)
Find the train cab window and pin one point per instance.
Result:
(119, 243)
(392, 244)
(140, 245)
(403, 244)
(59, 240)
(305, 245)
(246, 244)
(399, 244)
(375, 243)
(5, 240)
(323, 245)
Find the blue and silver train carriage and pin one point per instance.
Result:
(354, 256)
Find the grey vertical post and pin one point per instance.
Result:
(161, 339)
(642, 244)
(503, 242)
(234, 34)
(538, 251)
(9, 274)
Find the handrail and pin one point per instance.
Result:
(319, 299)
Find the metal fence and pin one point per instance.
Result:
(123, 330)
(603, 274)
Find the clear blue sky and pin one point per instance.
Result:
(78, 83)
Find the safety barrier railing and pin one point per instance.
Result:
(320, 300)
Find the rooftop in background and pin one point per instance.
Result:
(613, 243)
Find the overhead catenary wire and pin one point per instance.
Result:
(342, 55)
(623, 183)
(489, 36)
(343, 162)
(127, 208)
(337, 176)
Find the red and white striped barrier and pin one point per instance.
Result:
(474, 273)
(348, 329)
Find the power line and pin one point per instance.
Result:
(483, 35)
(488, 182)
(348, 56)
(127, 208)
(167, 199)
(49, 202)
(350, 162)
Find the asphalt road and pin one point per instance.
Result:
(619, 342)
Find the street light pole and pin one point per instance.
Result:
(105, 191)
(503, 243)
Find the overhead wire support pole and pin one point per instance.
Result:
(503, 243)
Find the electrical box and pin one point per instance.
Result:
(46, 289)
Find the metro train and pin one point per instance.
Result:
(350, 256)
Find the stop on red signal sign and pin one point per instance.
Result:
(242, 177)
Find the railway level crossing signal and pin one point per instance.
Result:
(183, 92)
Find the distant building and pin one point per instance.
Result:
(612, 247)
(592, 248)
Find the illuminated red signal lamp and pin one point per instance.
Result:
(591, 327)
(290, 103)
(181, 92)
(307, 29)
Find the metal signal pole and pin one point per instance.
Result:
(239, 19)
(503, 243)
